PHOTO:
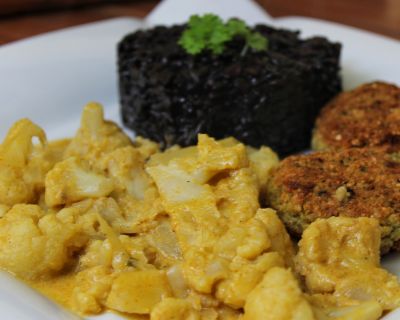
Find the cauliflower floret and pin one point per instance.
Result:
(174, 309)
(176, 185)
(340, 256)
(173, 153)
(328, 307)
(128, 253)
(55, 150)
(70, 181)
(146, 147)
(96, 136)
(87, 213)
(17, 146)
(218, 157)
(98, 253)
(245, 276)
(13, 188)
(245, 245)
(205, 160)
(277, 297)
(92, 289)
(340, 241)
(126, 167)
(20, 175)
(262, 161)
(139, 215)
(34, 244)
(247, 240)
(135, 191)
(138, 291)
(110, 211)
(237, 195)
(163, 239)
(279, 237)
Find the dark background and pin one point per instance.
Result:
(23, 18)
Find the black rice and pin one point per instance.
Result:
(261, 98)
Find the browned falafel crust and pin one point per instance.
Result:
(366, 116)
(358, 182)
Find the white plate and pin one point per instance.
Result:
(50, 77)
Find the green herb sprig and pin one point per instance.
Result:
(209, 32)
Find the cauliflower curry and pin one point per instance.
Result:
(99, 222)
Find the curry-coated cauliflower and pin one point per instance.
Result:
(126, 167)
(134, 190)
(340, 256)
(21, 173)
(92, 289)
(211, 196)
(146, 147)
(277, 297)
(245, 276)
(34, 244)
(98, 222)
(174, 309)
(71, 181)
(95, 136)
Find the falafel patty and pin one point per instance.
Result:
(358, 182)
(366, 116)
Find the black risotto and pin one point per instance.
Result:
(261, 98)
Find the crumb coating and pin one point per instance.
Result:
(353, 182)
(366, 116)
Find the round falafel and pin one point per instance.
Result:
(356, 182)
(367, 116)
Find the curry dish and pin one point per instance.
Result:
(102, 223)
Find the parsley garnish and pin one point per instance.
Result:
(210, 32)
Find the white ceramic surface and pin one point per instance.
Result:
(49, 78)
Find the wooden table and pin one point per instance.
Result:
(381, 16)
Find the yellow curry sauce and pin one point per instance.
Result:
(99, 222)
